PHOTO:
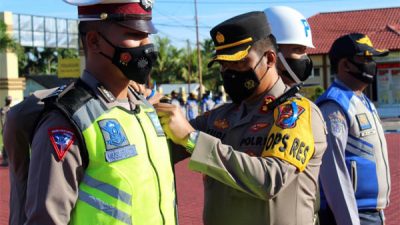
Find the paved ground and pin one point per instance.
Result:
(190, 189)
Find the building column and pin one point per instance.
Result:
(10, 82)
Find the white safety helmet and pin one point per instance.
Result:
(289, 26)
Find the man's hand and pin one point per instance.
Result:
(174, 123)
(139, 88)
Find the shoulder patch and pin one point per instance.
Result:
(288, 114)
(337, 123)
(62, 140)
(291, 137)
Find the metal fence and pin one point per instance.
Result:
(46, 32)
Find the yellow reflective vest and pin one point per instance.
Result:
(129, 178)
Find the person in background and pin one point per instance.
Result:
(293, 36)
(192, 106)
(207, 103)
(3, 114)
(355, 173)
(261, 153)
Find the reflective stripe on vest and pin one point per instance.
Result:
(104, 207)
(129, 178)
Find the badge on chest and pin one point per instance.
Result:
(116, 142)
(363, 122)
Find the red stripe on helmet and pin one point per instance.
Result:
(120, 8)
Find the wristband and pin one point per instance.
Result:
(191, 142)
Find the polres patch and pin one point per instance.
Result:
(295, 145)
(117, 144)
(288, 114)
(62, 140)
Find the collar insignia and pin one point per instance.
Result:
(267, 100)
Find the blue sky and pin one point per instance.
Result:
(175, 18)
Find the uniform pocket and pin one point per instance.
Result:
(354, 175)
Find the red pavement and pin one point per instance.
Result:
(190, 190)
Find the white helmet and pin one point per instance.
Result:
(289, 26)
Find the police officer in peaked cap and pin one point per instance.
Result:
(262, 152)
(99, 154)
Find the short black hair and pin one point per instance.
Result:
(264, 44)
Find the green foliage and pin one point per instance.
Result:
(174, 65)
(6, 42)
(33, 60)
(318, 91)
(181, 65)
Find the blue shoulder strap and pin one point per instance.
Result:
(339, 94)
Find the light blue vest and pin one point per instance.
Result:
(366, 150)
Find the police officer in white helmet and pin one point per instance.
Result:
(293, 36)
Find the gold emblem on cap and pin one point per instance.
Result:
(103, 16)
(365, 41)
(220, 38)
(367, 53)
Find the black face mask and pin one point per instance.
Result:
(302, 67)
(366, 71)
(135, 63)
(240, 84)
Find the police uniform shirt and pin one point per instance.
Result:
(247, 188)
(335, 176)
(52, 184)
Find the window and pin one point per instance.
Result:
(316, 72)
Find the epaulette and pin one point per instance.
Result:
(56, 94)
(285, 96)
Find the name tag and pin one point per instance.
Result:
(367, 132)
(121, 153)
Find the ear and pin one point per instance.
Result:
(271, 57)
(344, 65)
(92, 41)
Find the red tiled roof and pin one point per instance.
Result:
(381, 25)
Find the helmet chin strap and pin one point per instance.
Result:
(287, 67)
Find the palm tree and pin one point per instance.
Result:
(211, 76)
(6, 42)
(167, 69)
